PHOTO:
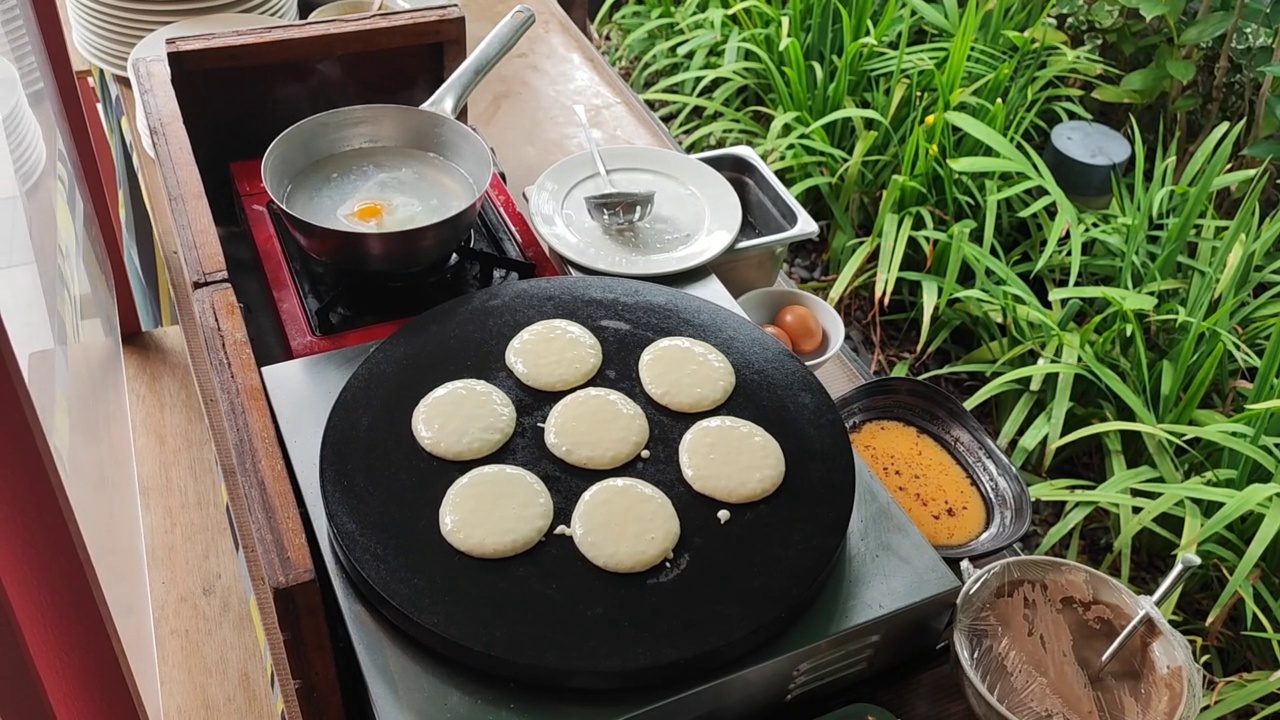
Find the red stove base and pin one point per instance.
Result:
(302, 342)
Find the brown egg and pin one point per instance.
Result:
(778, 334)
(799, 322)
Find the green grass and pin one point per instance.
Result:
(1128, 358)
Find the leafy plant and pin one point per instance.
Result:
(1189, 61)
(846, 100)
(1127, 359)
(1158, 358)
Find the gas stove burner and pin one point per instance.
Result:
(339, 299)
(322, 307)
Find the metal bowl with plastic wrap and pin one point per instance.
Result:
(1029, 633)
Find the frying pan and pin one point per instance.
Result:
(364, 126)
(548, 616)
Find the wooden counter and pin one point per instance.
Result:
(551, 69)
(210, 665)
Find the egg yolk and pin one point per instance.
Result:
(370, 212)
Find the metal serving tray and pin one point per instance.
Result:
(771, 220)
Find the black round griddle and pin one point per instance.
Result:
(548, 616)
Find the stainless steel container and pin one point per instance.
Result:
(771, 220)
(937, 414)
(976, 639)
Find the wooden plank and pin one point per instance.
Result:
(264, 510)
(210, 664)
(259, 48)
(155, 199)
(188, 243)
(185, 232)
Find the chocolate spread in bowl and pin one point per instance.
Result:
(1047, 637)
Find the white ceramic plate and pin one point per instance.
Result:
(696, 213)
(27, 168)
(20, 125)
(168, 7)
(11, 92)
(108, 44)
(29, 177)
(159, 14)
(85, 14)
(106, 36)
(111, 61)
(27, 156)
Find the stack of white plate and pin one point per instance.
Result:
(106, 31)
(153, 46)
(20, 50)
(21, 131)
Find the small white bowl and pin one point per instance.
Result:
(762, 307)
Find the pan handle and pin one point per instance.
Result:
(453, 94)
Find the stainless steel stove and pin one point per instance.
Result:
(887, 602)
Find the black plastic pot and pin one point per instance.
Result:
(1084, 157)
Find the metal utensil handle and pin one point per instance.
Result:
(453, 93)
(1175, 577)
(581, 112)
(1170, 583)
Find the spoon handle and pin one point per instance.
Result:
(1171, 581)
(581, 112)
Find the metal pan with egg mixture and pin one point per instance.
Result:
(941, 417)
(548, 616)
(390, 188)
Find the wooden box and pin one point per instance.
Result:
(223, 98)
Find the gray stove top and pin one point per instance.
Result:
(887, 601)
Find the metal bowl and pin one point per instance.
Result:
(970, 650)
(933, 411)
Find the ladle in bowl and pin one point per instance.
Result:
(1170, 583)
(613, 207)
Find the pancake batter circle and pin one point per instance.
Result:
(686, 375)
(463, 420)
(554, 355)
(495, 511)
(731, 460)
(596, 428)
(625, 525)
